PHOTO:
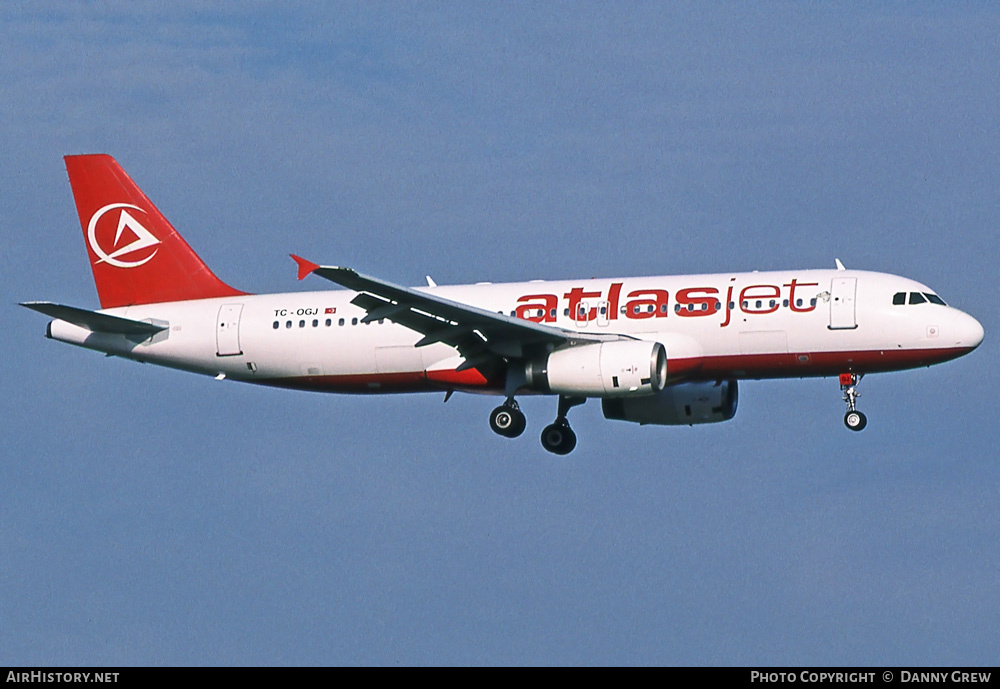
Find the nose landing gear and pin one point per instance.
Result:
(853, 419)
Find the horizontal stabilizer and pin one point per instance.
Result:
(92, 320)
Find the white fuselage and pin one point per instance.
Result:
(722, 326)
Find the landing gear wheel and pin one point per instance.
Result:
(855, 420)
(507, 421)
(559, 438)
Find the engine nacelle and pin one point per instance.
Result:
(620, 368)
(685, 404)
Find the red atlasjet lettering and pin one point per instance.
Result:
(584, 304)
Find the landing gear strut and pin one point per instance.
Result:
(853, 419)
(508, 419)
(558, 437)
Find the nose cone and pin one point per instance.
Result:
(968, 331)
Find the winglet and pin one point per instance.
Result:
(305, 267)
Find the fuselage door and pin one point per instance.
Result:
(842, 303)
(603, 313)
(227, 330)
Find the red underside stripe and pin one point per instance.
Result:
(744, 366)
(811, 364)
(420, 381)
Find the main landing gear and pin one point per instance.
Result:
(853, 419)
(558, 437)
(508, 420)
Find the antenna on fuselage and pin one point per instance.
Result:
(840, 266)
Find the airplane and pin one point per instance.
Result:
(665, 350)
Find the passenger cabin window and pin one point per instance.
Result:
(917, 298)
(899, 298)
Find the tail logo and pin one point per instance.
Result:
(143, 238)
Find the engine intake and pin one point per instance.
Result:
(622, 368)
(685, 404)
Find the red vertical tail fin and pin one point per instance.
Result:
(136, 254)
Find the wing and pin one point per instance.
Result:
(479, 335)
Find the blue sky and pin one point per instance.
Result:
(154, 517)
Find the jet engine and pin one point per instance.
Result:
(685, 404)
(619, 368)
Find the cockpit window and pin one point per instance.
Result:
(899, 298)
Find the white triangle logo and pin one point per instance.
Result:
(143, 237)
